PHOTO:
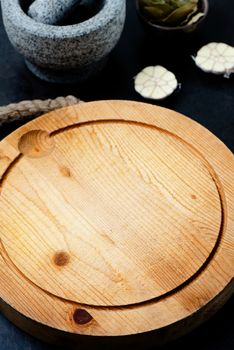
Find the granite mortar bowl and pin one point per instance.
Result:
(66, 53)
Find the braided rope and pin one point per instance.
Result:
(34, 108)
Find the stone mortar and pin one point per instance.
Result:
(68, 53)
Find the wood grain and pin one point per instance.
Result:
(116, 219)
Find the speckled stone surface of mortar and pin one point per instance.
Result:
(65, 53)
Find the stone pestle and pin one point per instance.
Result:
(53, 12)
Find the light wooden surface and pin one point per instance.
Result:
(117, 218)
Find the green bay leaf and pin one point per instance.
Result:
(177, 16)
(157, 12)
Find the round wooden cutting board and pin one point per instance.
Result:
(117, 219)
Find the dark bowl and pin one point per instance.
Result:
(167, 31)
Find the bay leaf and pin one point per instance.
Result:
(190, 15)
(152, 2)
(196, 18)
(179, 3)
(178, 15)
(157, 13)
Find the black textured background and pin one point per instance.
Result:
(205, 98)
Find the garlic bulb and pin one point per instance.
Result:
(217, 58)
(155, 82)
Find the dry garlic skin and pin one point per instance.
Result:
(217, 58)
(155, 82)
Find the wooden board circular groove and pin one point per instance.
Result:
(80, 189)
(128, 306)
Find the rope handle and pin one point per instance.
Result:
(34, 108)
